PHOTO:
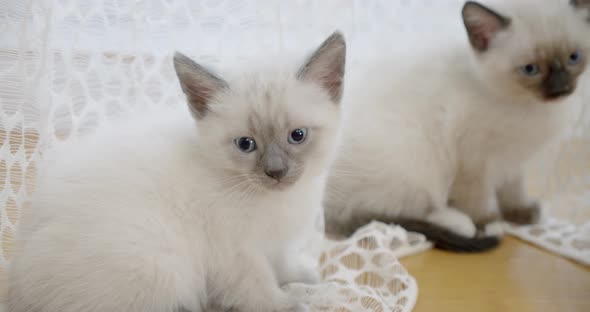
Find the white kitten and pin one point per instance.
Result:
(439, 146)
(149, 216)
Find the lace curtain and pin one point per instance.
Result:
(67, 67)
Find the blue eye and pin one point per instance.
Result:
(575, 58)
(297, 136)
(530, 69)
(245, 144)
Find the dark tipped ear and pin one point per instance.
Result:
(198, 83)
(580, 4)
(326, 66)
(482, 24)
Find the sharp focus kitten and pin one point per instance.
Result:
(152, 215)
(439, 145)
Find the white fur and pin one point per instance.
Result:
(452, 219)
(494, 229)
(144, 216)
(440, 124)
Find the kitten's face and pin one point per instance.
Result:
(537, 53)
(269, 130)
(272, 134)
(551, 72)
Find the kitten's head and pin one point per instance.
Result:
(536, 51)
(270, 128)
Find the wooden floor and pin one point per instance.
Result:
(515, 277)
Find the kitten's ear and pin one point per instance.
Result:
(482, 24)
(580, 4)
(326, 66)
(198, 84)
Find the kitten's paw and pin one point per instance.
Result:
(454, 221)
(306, 272)
(523, 215)
(300, 307)
(298, 295)
(301, 268)
(298, 291)
(495, 229)
(309, 276)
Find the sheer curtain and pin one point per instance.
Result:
(67, 67)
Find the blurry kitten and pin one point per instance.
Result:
(439, 146)
(151, 216)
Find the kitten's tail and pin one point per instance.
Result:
(447, 240)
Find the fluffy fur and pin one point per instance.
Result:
(159, 213)
(443, 139)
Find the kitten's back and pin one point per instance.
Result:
(127, 161)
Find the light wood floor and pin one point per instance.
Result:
(514, 277)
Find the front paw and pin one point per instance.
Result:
(494, 229)
(305, 271)
(298, 291)
(315, 297)
(307, 275)
(298, 296)
(300, 307)
(523, 215)
(453, 220)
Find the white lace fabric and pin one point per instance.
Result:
(68, 67)
(560, 237)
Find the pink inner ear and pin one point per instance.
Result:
(481, 35)
(483, 30)
(334, 85)
(482, 25)
(199, 95)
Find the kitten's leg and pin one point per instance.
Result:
(298, 268)
(255, 288)
(475, 195)
(515, 205)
